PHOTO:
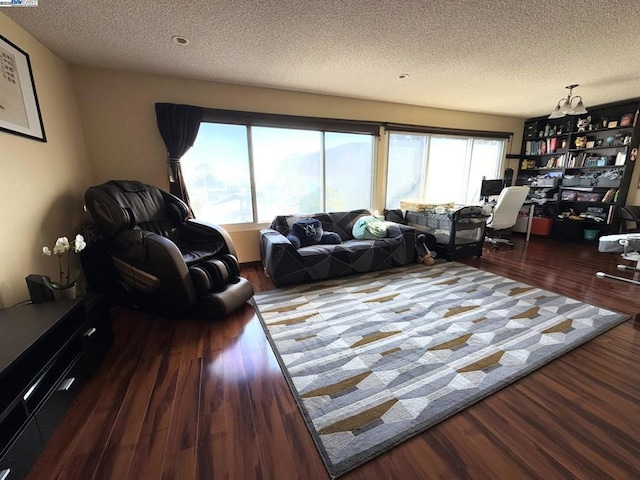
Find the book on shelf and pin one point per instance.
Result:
(579, 160)
(561, 160)
(612, 209)
(609, 195)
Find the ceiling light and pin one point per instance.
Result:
(179, 40)
(402, 76)
(565, 105)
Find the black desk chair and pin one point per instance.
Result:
(630, 214)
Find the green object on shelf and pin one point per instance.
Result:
(591, 234)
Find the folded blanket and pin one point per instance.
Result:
(369, 228)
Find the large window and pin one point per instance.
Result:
(241, 173)
(440, 168)
(217, 174)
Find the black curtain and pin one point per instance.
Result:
(178, 125)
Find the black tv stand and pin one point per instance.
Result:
(47, 351)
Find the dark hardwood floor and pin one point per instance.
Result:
(199, 399)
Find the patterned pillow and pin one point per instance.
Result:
(305, 232)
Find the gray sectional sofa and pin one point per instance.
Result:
(285, 264)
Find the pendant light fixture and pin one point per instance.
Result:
(565, 105)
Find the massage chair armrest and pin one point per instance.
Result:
(198, 231)
(157, 256)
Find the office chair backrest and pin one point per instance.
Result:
(505, 213)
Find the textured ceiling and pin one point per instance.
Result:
(503, 57)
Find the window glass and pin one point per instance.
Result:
(447, 170)
(288, 171)
(348, 171)
(216, 171)
(406, 168)
(294, 171)
(440, 168)
(485, 162)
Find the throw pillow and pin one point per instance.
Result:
(305, 232)
(330, 238)
(369, 228)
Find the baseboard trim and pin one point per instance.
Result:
(251, 264)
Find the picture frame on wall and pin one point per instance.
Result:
(19, 108)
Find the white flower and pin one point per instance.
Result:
(61, 246)
(79, 243)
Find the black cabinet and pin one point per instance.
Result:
(587, 161)
(47, 351)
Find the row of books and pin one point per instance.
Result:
(542, 147)
(557, 162)
(590, 160)
(580, 160)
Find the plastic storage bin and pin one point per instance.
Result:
(590, 233)
(541, 226)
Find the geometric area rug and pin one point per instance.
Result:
(375, 359)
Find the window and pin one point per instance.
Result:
(216, 171)
(291, 170)
(288, 166)
(440, 168)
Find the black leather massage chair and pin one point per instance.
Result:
(163, 259)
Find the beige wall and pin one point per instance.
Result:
(123, 142)
(42, 183)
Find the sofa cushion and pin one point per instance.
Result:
(305, 232)
(369, 227)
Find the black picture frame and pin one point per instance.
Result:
(19, 107)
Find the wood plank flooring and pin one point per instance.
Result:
(200, 399)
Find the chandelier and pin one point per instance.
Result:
(565, 105)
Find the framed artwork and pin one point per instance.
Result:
(19, 108)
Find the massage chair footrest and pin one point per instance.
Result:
(220, 304)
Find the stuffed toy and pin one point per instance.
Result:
(583, 123)
(581, 142)
(424, 254)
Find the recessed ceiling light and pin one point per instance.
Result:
(179, 40)
(402, 76)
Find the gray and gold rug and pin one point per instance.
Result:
(375, 359)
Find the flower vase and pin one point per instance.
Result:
(65, 293)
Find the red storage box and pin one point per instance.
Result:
(541, 226)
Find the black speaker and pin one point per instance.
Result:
(38, 291)
(508, 177)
